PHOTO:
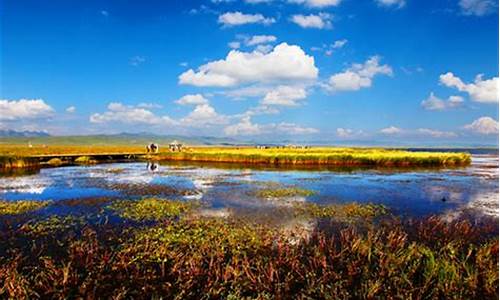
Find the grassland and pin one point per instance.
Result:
(175, 257)
(19, 155)
(334, 156)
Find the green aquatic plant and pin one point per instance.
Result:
(213, 259)
(20, 207)
(349, 210)
(153, 209)
(51, 225)
(198, 235)
(284, 192)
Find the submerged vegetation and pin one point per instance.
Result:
(321, 156)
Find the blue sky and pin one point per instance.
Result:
(331, 70)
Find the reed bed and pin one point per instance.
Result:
(172, 255)
(321, 156)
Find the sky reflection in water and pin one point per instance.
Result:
(407, 193)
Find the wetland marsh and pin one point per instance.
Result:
(189, 230)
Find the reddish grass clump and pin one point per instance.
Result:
(216, 259)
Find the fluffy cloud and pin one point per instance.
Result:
(346, 133)
(485, 91)
(285, 62)
(238, 18)
(391, 130)
(117, 112)
(435, 103)
(11, 110)
(483, 125)
(70, 109)
(203, 115)
(317, 3)
(436, 133)
(246, 127)
(391, 3)
(195, 99)
(477, 7)
(358, 75)
(284, 96)
(319, 21)
(260, 39)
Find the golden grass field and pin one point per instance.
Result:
(319, 156)
(252, 155)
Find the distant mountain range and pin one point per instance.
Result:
(39, 137)
(26, 133)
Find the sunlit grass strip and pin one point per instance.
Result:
(284, 192)
(151, 209)
(20, 207)
(321, 156)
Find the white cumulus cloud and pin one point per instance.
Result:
(485, 91)
(260, 39)
(483, 125)
(70, 109)
(358, 75)
(317, 3)
(435, 103)
(346, 133)
(319, 21)
(284, 96)
(238, 18)
(11, 110)
(284, 62)
(246, 127)
(192, 99)
(120, 113)
(203, 115)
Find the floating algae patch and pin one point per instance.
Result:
(20, 207)
(151, 209)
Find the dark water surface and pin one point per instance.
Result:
(407, 192)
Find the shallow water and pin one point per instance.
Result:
(414, 193)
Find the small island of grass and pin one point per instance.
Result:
(328, 156)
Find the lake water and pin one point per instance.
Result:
(407, 192)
